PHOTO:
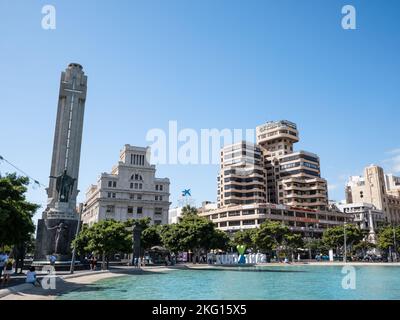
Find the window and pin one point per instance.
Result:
(290, 165)
(247, 212)
(157, 222)
(289, 213)
(234, 223)
(156, 187)
(300, 215)
(109, 195)
(139, 197)
(139, 210)
(248, 222)
(160, 198)
(113, 195)
(156, 198)
(158, 211)
(110, 209)
(161, 187)
(131, 185)
(310, 165)
(140, 186)
(109, 184)
(137, 159)
(114, 184)
(136, 185)
(234, 213)
(136, 177)
(131, 196)
(130, 210)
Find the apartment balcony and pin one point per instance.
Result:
(303, 188)
(244, 183)
(305, 196)
(292, 179)
(244, 191)
(295, 203)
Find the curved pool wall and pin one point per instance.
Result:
(258, 283)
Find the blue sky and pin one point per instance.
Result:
(206, 64)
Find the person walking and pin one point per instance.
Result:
(52, 259)
(9, 268)
(94, 263)
(91, 263)
(2, 263)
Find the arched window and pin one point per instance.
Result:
(136, 177)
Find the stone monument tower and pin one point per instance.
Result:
(58, 225)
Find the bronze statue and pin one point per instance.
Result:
(64, 186)
(61, 237)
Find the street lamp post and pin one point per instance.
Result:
(311, 239)
(345, 244)
(394, 244)
(72, 267)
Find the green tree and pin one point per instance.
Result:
(314, 244)
(334, 237)
(151, 237)
(271, 236)
(105, 237)
(219, 240)
(151, 234)
(81, 241)
(193, 233)
(188, 210)
(389, 238)
(16, 215)
(245, 237)
(364, 246)
(291, 242)
(144, 223)
(171, 237)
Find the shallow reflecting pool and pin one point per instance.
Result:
(286, 282)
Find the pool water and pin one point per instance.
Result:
(270, 283)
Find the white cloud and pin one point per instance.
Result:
(394, 161)
(394, 151)
(396, 164)
(344, 177)
(332, 187)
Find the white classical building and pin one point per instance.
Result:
(174, 214)
(365, 215)
(131, 190)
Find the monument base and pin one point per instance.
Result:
(54, 237)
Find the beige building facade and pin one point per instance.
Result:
(378, 189)
(270, 181)
(240, 217)
(242, 175)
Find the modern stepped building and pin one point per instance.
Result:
(293, 178)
